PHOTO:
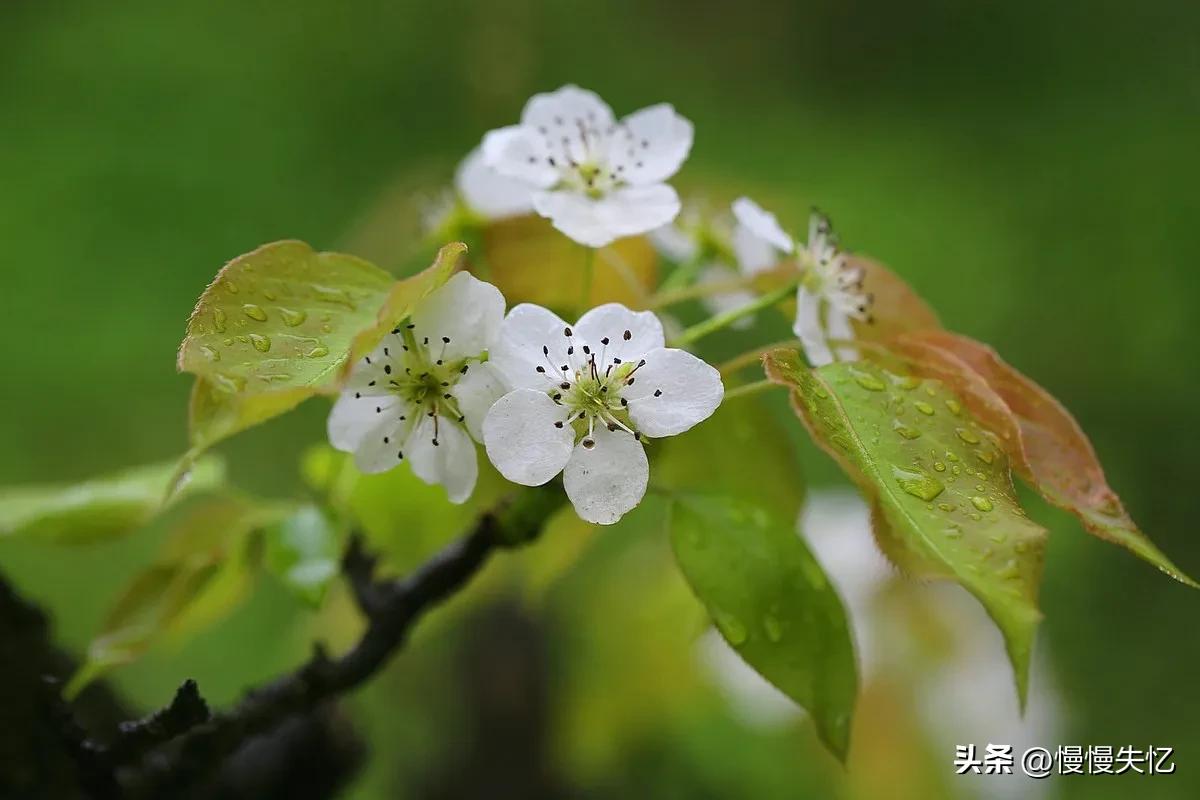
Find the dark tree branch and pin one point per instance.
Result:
(391, 607)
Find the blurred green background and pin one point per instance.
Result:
(1031, 168)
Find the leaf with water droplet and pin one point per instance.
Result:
(1047, 447)
(770, 599)
(895, 472)
(337, 308)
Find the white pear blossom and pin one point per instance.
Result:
(830, 294)
(597, 179)
(421, 396)
(489, 194)
(584, 396)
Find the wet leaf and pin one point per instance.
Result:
(284, 322)
(532, 262)
(771, 601)
(1047, 446)
(101, 508)
(939, 478)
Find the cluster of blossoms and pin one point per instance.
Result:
(544, 396)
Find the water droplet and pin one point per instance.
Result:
(979, 487)
(1010, 571)
(982, 503)
(267, 293)
(906, 381)
(924, 408)
(209, 353)
(868, 381)
(261, 343)
(956, 469)
(951, 456)
(945, 506)
(929, 390)
(292, 318)
(904, 430)
(917, 483)
(219, 319)
(254, 312)
(731, 628)
(327, 328)
(954, 407)
(953, 532)
(1020, 547)
(231, 287)
(998, 537)
(337, 296)
(773, 627)
(228, 342)
(318, 351)
(820, 392)
(985, 456)
(967, 436)
(939, 466)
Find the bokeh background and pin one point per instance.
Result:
(1030, 167)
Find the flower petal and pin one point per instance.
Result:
(518, 152)
(609, 478)
(526, 437)
(464, 310)
(674, 243)
(627, 211)
(565, 108)
(808, 328)
(837, 323)
(443, 454)
(475, 393)
(651, 144)
(672, 392)
(755, 222)
(369, 427)
(613, 321)
(517, 351)
(489, 193)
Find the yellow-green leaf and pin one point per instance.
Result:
(940, 479)
(284, 322)
(100, 508)
(771, 601)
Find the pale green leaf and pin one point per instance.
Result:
(771, 601)
(100, 508)
(940, 480)
(284, 322)
(304, 550)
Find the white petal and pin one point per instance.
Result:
(464, 310)
(475, 393)
(443, 454)
(762, 223)
(518, 152)
(489, 193)
(611, 321)
(369, 427)
(523, 440)
(808, 328)
(754, 254)
(651, 144)
(837, 322)
(564, 108)
(673, 391)
(675, 244)
(725, 301)
(517, 351)
(628, 211)
(607, 479)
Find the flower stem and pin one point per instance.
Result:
(748, 389)
(589, 268)
(753, 356)
(722, 321)
(698, 290)
(683, 275)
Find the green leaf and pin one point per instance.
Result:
(940, 480)
(285, 322)
(202, 573)
(101, 508)
(304, 550)
(771, 601)
(1049, 449)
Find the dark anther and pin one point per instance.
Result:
(564, 368)
(567, 332)
(435, 442)
(464, 369)
(604, 341)
(630, 381)
(357, 395)
(658, 392)
(624, 402)
(446, 396)
(642, 362)
(372, 383)
(410, 325)
(445, 383)
(387, 368)
(637, 435)
(445, 340)
(385, 440)
(558, 424)
(378, 410)
(367, 359)
(612, 427)
(400, 455)
(588, 443)
(426, 340)
(570, 351)
(627, 335)
(564, 386)
(616, 360)
(540, 368)
(556, 397)
(586, 350)
(545, 350)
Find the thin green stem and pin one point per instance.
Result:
(749, 389)
(753, 356)
(698, 290)
(684, 274)
(589, 269)
(722, 321)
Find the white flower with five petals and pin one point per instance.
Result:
(583, 398)
(422, 394)
(829, 296)
(597, 179)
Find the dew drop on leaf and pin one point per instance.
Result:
(982, 503)
(254, 312)
(261, 343)
(917, 483)
(292, 318)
